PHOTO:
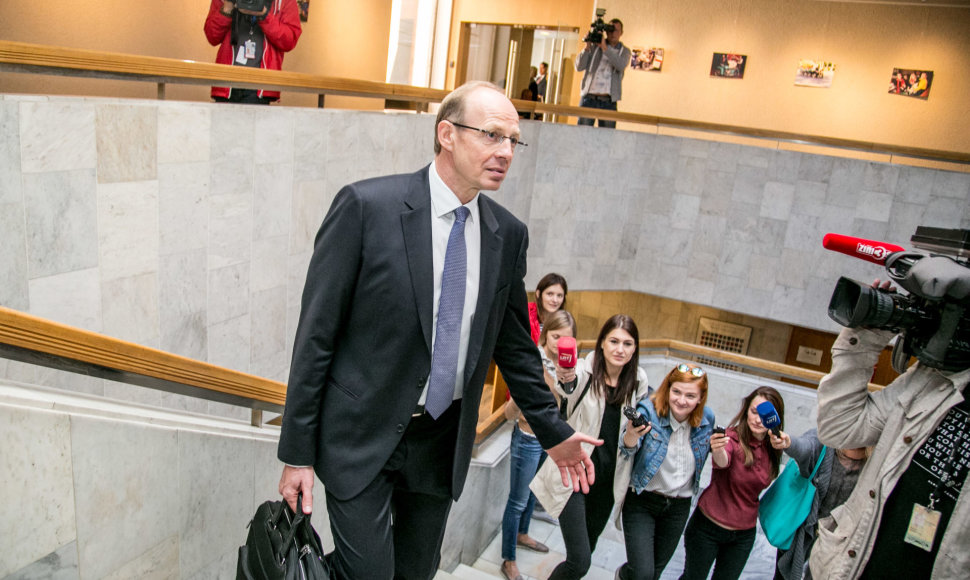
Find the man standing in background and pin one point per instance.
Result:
(604, 64)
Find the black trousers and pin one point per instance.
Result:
(244, 96)
(652, 527)
(581, 522)
(707, 543)
(394, 528)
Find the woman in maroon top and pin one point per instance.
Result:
(721, 530)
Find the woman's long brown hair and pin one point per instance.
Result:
(740, 424)
(627, 383)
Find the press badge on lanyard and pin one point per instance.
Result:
(925, 520)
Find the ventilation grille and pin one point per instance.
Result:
(722, 336)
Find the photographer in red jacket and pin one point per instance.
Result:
(255, 33)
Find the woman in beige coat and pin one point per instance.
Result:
(604, 382)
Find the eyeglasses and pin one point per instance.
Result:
(696, 371)
(493, 138)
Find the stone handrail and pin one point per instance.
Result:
(43, 59)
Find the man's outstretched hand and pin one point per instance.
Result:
(574, 464)
(294, 481)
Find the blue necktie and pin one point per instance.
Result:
(444, 360)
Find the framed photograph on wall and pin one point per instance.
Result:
(647, 59)
(911, 83)
(728, 65)
(814, 73)
(304, 6)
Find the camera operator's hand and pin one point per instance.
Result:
(603, 46)
(884, 285)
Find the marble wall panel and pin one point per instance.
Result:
(215, 487)
(73, 298)
(881, 177)
(135, 479)
(60, 564)
(182, 295)
(268, 325)
(950, 184)
(268, 268)
(57, 135)
(231, 226)
(10, 166)
(184, 132)
(228, 292)
(310, 146)
(272, 198)
(229, 343)
(183, 211)
(943, 212)
(311, 200)
(13, 256)
(160, 562)
(127, 138)
(273, 136)
(61, 221)
(128, 229)
(129, 307)
(36, 463)
(777, 200)
(371, 141)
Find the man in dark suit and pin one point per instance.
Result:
(366, 406)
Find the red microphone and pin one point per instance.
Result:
(566, 346)
(869, 250)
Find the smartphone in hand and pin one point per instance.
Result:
(635, 417)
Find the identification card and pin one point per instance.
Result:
(922, 527)
(241, 56)
(250, 49)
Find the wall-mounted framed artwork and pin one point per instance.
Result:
(647, 59)
(814, 73)
(911, 83)
(728, 65)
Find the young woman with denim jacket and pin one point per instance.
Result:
(668, 457)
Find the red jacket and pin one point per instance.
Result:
(281, 27)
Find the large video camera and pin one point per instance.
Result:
(933, 320)
(253, 5)
(598, 27)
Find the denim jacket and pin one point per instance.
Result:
(652, 447)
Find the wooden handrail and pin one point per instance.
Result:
(35, 340)
(44, 59)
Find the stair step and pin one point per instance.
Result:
(465, 572)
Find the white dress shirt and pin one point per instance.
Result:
(675, 478)
(443, 205)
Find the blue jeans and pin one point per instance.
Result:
(525, 453)
(652, 526)
(597, 102)
(707, 543)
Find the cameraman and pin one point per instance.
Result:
(604, 64)
(252, 38)
(920, 427)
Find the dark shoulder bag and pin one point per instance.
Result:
(281, 545)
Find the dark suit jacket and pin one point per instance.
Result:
(363, 345)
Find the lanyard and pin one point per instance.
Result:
(948, 475)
